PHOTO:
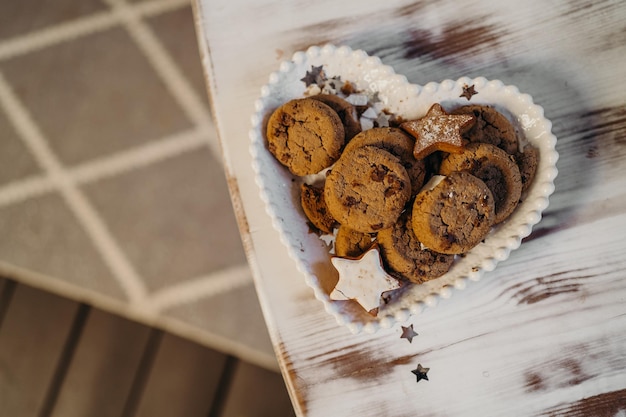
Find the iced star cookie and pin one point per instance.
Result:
(363, 280)
(438, 131)
(367, 189)
(453, 213)
(305, 135)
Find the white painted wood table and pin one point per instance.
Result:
(542, 335)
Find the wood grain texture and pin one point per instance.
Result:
(99, 359)
(256, 392)
(32, 339)
(547, 328)
(183, 380)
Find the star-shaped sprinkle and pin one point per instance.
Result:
(438, 131)
(362, 279)
(421, 372)
(315, 76)
(468, 91)
(408, 333)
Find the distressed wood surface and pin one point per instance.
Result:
(542, 335)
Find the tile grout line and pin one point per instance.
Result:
(66, 179)
(86, 25)
(107, 166)
(140, 156)
(34, 140)
(25, 188)
(165, 68)
(221, 281)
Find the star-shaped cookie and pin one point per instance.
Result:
(362, 279)
(438, 131)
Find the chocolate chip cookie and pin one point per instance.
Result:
(350, 243)
(346, 112)
(527, 162)
(315, 209)
(491, 127)
(398, 143)
(367, 189)
(455, 214)
(405, 254)
(305, 135)
(494, 167)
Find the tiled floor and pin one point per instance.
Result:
(111, 184)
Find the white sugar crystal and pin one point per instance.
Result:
(366, 123)
(328, 89)
(370, 113)
(379, 106)
(382, 120)
(312, 90)
(357, 99)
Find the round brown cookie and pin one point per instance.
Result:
(491, 127)
(346, 112)
(455, 215)
(305, 135)
(403, 252)
(495, 168)
(367, 189)
(397, 143)
(527, 162)
(350, 243)
(315, 209)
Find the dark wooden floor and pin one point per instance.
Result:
(62, 358)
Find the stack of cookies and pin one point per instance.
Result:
(424, 190)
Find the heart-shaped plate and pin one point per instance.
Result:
(280, 189)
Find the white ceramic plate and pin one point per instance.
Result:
(280, 190)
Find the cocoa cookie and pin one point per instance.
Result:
(404, 254)
(527, 163)
(397, 143)
(367, 189)
(315, 209)
(491, 127)
(350, 243)
(305, 135)
(454, 215)
(346, 112)
(494, 167)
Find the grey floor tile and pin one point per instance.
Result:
(15, 160)
(21, 16)
(235, 314)
(42, 235)
(177, 33)
(94, 96)
(173, 219)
